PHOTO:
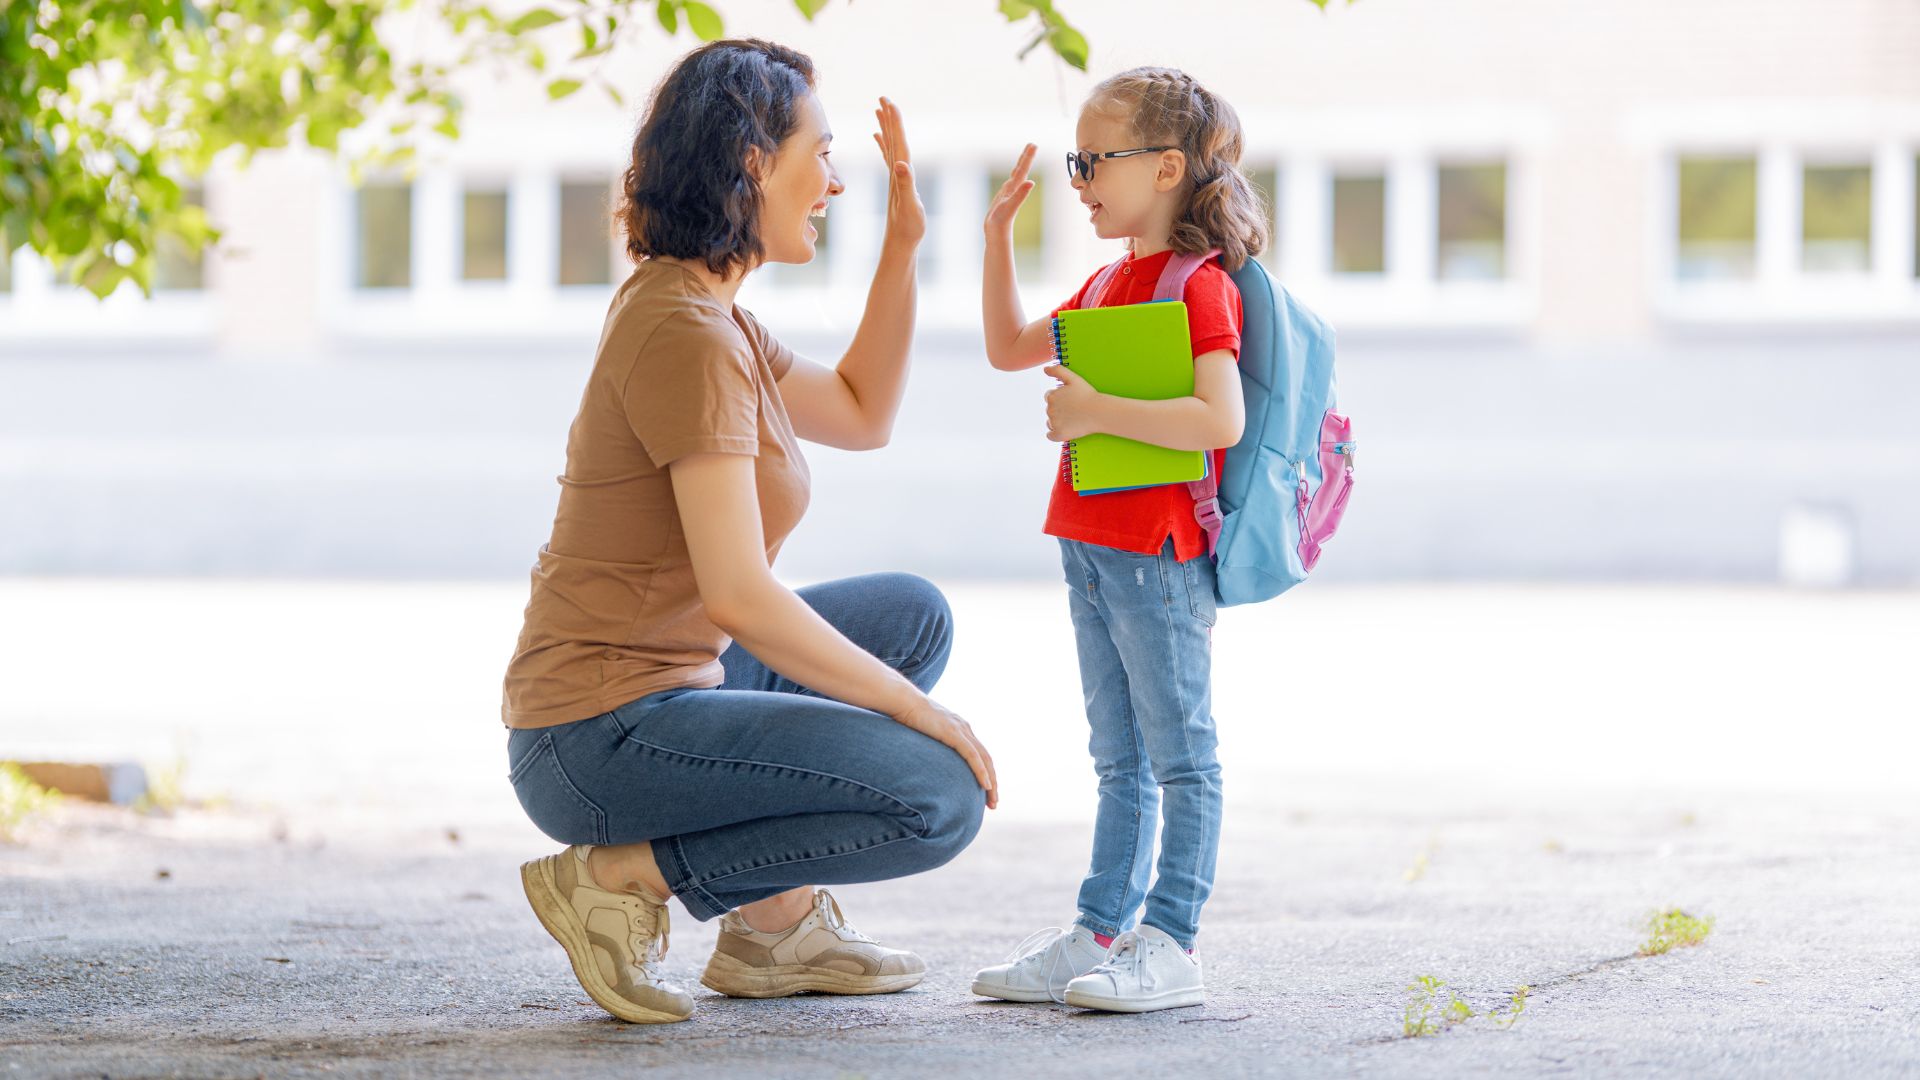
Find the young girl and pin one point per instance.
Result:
(1158, 165)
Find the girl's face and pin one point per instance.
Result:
(1127, 195)
(797, 186)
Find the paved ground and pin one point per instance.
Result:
(240, 943)
(1490, 786)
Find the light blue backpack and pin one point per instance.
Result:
(1287, 481)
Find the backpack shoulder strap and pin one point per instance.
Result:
(1179, 269)
(1206, 490)
(1097, 291)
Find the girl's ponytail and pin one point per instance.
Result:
(1166, 105)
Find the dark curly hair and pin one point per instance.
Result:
(687, 193)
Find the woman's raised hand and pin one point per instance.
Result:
(936, 721)
(1006, 201)
(906, 217)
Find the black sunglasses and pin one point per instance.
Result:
(1080, 163)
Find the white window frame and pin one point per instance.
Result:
(1783, 138)
(1409, 145)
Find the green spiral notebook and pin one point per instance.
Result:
(1140, 351)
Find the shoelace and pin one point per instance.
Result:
(1049, 945)
(1127, 959)
(642, 917)
(835, 920)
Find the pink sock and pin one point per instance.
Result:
(1105, 940)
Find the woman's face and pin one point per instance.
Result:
(798, 186)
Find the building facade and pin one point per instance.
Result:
(1622, 293)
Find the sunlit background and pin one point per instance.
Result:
(1628, 298)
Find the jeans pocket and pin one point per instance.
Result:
(554, 805)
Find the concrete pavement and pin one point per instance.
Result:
(242, 942)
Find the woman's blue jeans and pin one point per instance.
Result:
(759, 785)
(1144, 628)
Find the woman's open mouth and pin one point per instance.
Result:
(1093, 211)
(819, 211)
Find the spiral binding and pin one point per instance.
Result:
(1069, 456)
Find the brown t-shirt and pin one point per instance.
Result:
(615, 614)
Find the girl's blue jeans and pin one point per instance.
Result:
(759, 786)
(1143, 625)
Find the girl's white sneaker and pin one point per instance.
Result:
(1146, 970)
(1040, 968)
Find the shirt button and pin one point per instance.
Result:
(1126, 269)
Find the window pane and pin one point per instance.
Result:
(1472, 223)
(483, 244)
(1836, 218)
(1719, 199)
(1029, 225)
(176, 267)
(385, 237)
(1359, 224)
(1266, 181)
(586, 234)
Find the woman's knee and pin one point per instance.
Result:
(952, 829)
(929, 618)
(951, 809)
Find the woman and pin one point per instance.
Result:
(690, 726)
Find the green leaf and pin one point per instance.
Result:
(1070, 44)
(810, 8)
(560, 88)
(669, 16)
(1015, 10)
(72, 234)
(704, 21)
(532, 20)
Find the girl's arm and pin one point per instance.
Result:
(852, 405)
(1212, 418)
(1013, 343)
(719, 509)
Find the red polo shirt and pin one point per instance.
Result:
(1142, 519)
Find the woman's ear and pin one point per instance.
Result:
(758, 162)
(1173, 169)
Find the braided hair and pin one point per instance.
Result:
(1167, 106)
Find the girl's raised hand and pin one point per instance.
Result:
(1006, 201)
(906, 217)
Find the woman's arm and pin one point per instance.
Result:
(852, 405)
(1212, 418)
(1013, 343)
(720, 512)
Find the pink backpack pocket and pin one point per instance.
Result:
(1320, 510)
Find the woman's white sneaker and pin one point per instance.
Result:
(1040, 968)
(1146, 970)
